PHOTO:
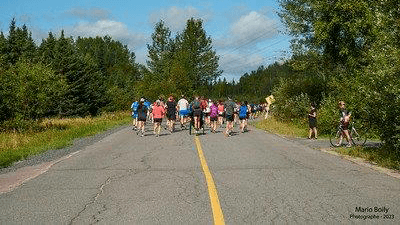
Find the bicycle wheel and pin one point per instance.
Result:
(335, 138)
(358, 136)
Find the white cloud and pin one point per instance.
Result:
(116, 30)
(253, 25)
(244, 47)
(92, 14)
(175, 18)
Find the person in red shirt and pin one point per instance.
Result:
(158, 115)
(221, 113)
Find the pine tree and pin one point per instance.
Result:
(196, 55)
(20, 44)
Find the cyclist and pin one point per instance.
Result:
(345, 121)
(229, 107)
(134, 108)
(196, 107)
(183, 105)
(142, 115)
(158, 114)
(171, 113)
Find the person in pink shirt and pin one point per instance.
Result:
(214, 117)
(158, 115)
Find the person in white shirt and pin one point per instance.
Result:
(183, 105)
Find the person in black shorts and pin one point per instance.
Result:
(229, 107)
(312, 122)
(196, 107)
(171, 113)
(142, 115)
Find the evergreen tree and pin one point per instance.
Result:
(196, 54)
(20, 44)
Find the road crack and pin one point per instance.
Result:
(93, 201)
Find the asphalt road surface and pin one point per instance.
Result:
(253, 178)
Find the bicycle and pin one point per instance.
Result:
(357, 136)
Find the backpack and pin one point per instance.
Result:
(135, 106)
(229, 108)
(196, 105)
(243, 111)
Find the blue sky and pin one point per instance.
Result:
(245, 34)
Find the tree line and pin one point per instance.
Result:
(62, 76)
(67, 76)
(342, 50)
(345, 50)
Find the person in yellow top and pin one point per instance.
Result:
(270, 99)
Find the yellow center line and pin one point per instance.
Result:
(212, 190)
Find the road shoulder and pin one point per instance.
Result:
(324, 146)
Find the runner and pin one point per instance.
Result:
(158, 114)
(207, 113)
(243, 116)
(196, 108)
(134, 108)
(183, 105)
(236, 113)
(229, 115)
(148, 105)
(171, 113)
(214, 117)
(142, 115)
(221, 113)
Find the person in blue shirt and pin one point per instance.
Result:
(134, 108)
(148, 105)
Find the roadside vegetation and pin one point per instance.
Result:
(342, 50)
(55, 133)
(378, 155)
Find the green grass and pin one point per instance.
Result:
(57, 133)
(377, 155)
(273, 125)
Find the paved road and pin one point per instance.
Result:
(259, 178)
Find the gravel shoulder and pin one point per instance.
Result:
(55, 154)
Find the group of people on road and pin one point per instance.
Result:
(212, 113)
(201, 112)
